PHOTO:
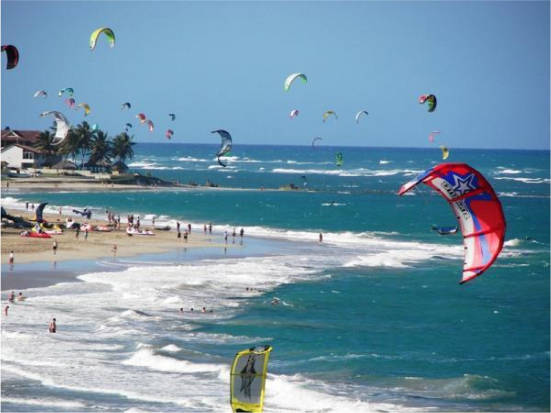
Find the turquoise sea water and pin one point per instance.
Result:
(374, 318)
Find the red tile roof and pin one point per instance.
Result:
(28, 137)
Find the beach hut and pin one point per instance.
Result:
(119, 167)
(100, 166)
(65, 164)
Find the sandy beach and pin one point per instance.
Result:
(97, 245)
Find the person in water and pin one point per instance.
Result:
(11, 296)
(52, 327)
(20, 297)
(11, 258)
(321, 237)
(6, 308)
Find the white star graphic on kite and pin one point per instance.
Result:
(463, 185)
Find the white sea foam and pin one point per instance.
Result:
(525, 180)
(45, 402)
(515, 242)
(145, 357)
(507, 171)
(192, 159)
(349, 173)
(172, 348)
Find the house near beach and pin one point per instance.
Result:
(19, 156)
(21, 137)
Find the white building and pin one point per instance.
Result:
(22, 156)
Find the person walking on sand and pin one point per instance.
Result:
(54, 247)
(10, 261)
(6, 309)
(52, 327)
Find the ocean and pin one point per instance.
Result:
(372, 319)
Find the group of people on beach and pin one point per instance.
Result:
(234, 234)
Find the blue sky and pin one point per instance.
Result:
(221, 65)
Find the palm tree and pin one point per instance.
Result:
(46, 146)
(122, 147)
(81, 142)
(70, 145)
(101, 148)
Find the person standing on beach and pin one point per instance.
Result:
(52, 327)
(178, 226)
(10, 261)
(54, 246)
(26, 206)
(185, 236)
(86, 233)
